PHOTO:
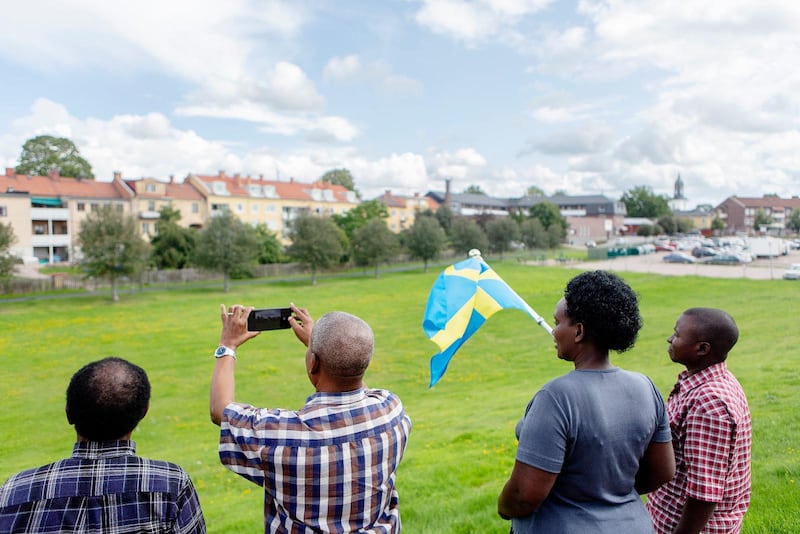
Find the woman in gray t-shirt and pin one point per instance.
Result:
(593, 440)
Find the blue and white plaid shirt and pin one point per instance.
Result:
(103, 488)
(329, 467)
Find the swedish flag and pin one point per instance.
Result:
(463, 297)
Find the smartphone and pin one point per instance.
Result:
(268, 319)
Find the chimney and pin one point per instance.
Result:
(291, 179)
(172, 178)
(10, 171)
(237, 180)
(447, 192)
(221, 174)
(117, 175)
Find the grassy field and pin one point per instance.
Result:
(462, 445)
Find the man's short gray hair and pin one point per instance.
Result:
(343, 343)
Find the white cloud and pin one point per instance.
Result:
(342, 68)
(476, 21)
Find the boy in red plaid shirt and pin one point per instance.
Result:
(711, 432)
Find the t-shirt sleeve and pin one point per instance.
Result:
(663, 434)
(709, 428)
(543, 434)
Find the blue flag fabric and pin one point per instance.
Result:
(463, 297)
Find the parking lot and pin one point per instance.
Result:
(759, 269)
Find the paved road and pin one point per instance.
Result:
(761, 269)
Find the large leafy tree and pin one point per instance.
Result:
(341, 177)
(466, 234)
(374, 243)
(425, 239)
(501, 233)
(44, 153)
(228, 246)
(761, 219)
(641, 201)
(360, 215)
(535, 191)
(7, 260)
(474, 189)
(173, 245)
(110, 246)
(317, 243)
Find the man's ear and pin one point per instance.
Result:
(315, 364)
(703, 348)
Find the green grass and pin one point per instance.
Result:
(462, 445)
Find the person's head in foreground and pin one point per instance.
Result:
(107, 398)
(339, 351)
(599, 310)
(702, 337)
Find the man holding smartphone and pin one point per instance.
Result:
(331, 465)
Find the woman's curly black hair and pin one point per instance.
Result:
(607, 307)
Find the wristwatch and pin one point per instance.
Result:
(222, 350)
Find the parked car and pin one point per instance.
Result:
(792, 273)
(723, 259)
(704, 251)
(664, 247)
(678, 257)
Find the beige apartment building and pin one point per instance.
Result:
(403, 209)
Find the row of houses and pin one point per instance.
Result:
(46, 212)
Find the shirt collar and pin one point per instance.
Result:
(345, 397)
(94, 450)
(688, 382)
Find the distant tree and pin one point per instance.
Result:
(474, 190)
(718, 225)
(554, 236)
(373, 244)
(425, 239)
(7, 260)
(794, 221)
(501, 232)
(228, 246)
(646, 230)
(560, 193)
(173, 245)
(641, 201)
(44, 153)
(533, 234)
(317, 242)
(761, 219)
(271, 250)
(111, 246)
(341, 177)
(360, 215)
(445, 217)
(669, 223)
(466, 234)
(535, 191)
(549, 215)
(684, 224)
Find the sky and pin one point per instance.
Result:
(587, 97)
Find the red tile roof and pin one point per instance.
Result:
(60, 186)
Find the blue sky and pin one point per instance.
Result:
(588, 97)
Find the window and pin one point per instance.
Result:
(3, 211)
(151, 205)
(195, 207)
(150, 188)
(255, 208)
(146, 228)
(239, 208)
(81, 206)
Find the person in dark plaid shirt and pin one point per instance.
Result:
(330, 466)
(711, 432)
(104, 487)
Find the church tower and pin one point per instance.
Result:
(679, 202)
